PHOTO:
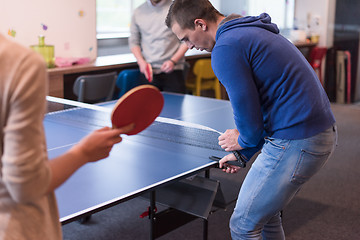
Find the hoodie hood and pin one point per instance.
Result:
(236, 21)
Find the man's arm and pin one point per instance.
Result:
(136, 50)
(234, 71)
(135, 43)
(179, 53)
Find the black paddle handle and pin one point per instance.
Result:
(240, 160)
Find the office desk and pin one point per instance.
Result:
(60, 77)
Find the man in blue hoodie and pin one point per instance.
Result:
(279, 108)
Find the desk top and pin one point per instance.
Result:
(115, 61)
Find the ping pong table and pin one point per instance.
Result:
(140, 164)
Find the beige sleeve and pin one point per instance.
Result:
(25, 172)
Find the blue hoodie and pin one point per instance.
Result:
(272, 88)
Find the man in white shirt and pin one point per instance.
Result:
(152, 42)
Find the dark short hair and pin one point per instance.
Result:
(184, 12)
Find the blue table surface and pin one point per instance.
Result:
(138, 163)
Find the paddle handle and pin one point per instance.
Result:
(235, 163)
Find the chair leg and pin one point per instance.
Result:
(198, 86)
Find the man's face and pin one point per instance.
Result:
(197, 38)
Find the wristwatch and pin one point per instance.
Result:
(240, 159)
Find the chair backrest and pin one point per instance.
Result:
(128, 79)
(316, 55)
(205, 78)
(202, 67)
(95, 88)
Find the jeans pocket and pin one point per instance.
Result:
(272, 152)
(308, 164)
(277, 143)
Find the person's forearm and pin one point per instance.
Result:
(138, 55)
(179, 53)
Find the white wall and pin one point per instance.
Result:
(71, 24)
(75, 36)
(308, 12)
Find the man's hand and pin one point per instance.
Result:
(167, 66)
(142, 68)
(227, 167)
(229, 140)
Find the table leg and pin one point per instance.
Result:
(152, 212)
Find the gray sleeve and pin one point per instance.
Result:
(135, 35)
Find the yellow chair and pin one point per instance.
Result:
(205, 79)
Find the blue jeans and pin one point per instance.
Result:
(277, 174)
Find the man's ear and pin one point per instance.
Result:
(200, 23)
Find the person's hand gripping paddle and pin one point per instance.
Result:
(141, 105)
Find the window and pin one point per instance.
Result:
(281, 11)
(113, 17)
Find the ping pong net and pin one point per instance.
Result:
(83, 115)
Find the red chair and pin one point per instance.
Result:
(317, 54)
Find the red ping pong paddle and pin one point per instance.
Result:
(141, 105)
(149, 72)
